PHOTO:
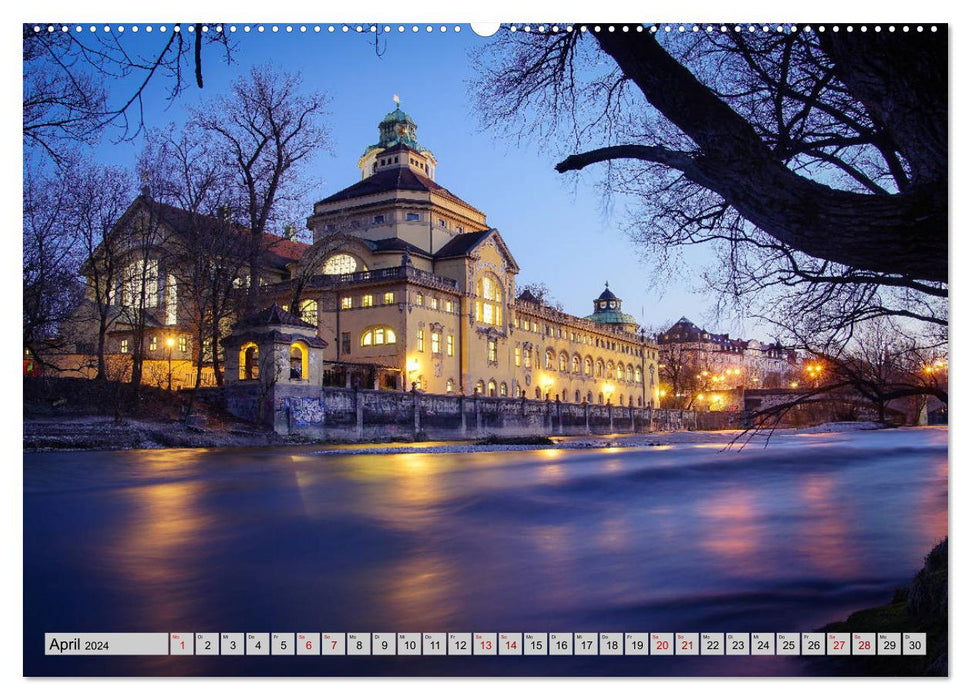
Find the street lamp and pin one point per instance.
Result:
(169, 343)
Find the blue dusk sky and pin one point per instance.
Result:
(557, 226)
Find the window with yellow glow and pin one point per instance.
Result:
(389, 297)
(576, 365)
(588, 366)
(517, 356)
(488, 305)
(550, 359)
(450, 345)
(421, 341)
(346, 302)
(367, 300)
(378, 335)
(308, 311)
(249, 361)
(436, 343)
(492, 388)
(299, 360)
(563, 362)
(449, 386)
(340, 264)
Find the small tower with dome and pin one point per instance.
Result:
(607, 311)
(397, 147)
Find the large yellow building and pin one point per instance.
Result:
(412, 289)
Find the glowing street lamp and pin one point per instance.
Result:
(169, 344)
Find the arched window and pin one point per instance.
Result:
(630, 373)
(610, 370)
(308, 311)
(538, 394)
(492, 388)
(564, 361)
(479, 387)
(341, 264)
(620, 372)
(299, 361)
(488, 306)
(588, 366)
(620, 400)
(600, 398)
(549, 359)
(378, 335)
(249, 361)
(640, 401)
(449, 386)
(589, 397)
(600, 368)
(576, 364)
(576, 396)
(503, 390)
(637, 375)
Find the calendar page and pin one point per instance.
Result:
(548, 348)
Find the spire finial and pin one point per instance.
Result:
(607, 284)
(397, 102)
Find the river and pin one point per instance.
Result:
(675, 538)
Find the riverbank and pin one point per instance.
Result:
(101, 433)
(920, 606)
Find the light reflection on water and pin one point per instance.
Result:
(786, 537)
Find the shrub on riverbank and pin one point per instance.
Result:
(920, 606)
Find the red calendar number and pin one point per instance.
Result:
(662, 645)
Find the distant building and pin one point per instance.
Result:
(710, 371)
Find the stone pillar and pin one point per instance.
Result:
(586, 416)
(610, 416)
(416, 407)
(633, 424)
(359, 410)
(478, 416)
(464, 427)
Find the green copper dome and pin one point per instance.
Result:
(397, 116)
(611, 317)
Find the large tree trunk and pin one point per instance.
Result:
(904, 234)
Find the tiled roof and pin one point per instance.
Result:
(462, 244)
(277, 251)
(274, 316)
(402, 178)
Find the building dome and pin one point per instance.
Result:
(397, 116)
(607, 310)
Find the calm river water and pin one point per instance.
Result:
(682, 538)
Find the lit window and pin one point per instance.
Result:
(600, 368)
(389, 297)
(153, 343)
(563, 362)
(366, 301)
(421, 341)
(503, 390)
(340, 264)
(587, 366)
(488, 306)
(436, 343)
(517, 356)
(528, 359)
(124, 345)
(493, 351)
(433, 303)
(308, 311)
(449, 386)
(171, 301)
(140, 284)
(576, 365)
(183, 343)
(479, 386)
(630, 373)
(550, 359)
(450, 345)
(492, 388)
(449, 306)
(379, 335)
(419, 299)
(346, 302)
(637, 374)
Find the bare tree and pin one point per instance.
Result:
(98, 199)
(66, 100)
(207, 250)
(52, 289)
(542, 293)
(266, 129)
(785, 150)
